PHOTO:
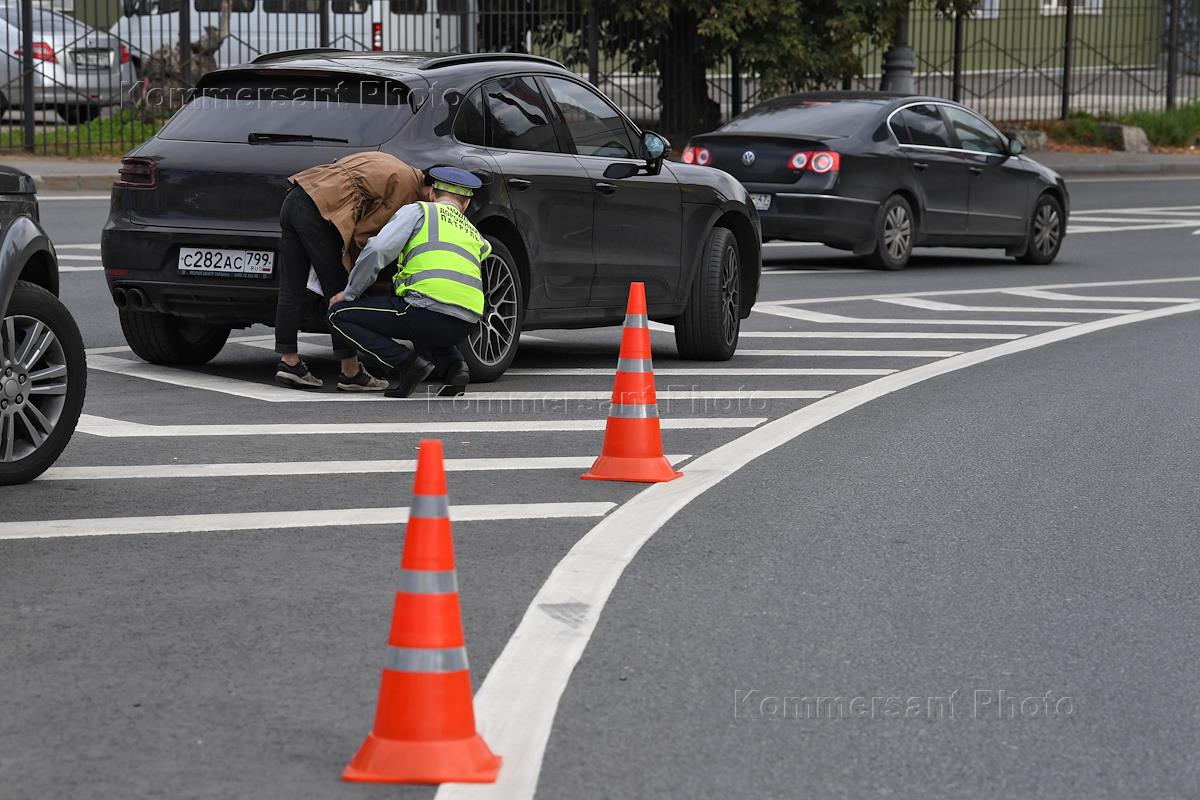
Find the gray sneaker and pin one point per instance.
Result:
(297, 377)
(362, 381)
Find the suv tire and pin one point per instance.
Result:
(170, 340)
(708, 328)
(57, 374)
(491, 348)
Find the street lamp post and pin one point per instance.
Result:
(898, 61)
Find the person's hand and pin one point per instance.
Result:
(337, 298)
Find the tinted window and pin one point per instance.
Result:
(240, 6)
(840, 118)
(900, 130)
(594, 125)
(470, 126)
(975, 134)
(519, 118)
(452, 6)
(350, 6)
(292, 6)
(925, 126)
(366, 114)
(407, 6)
(150, 7)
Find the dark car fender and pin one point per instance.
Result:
(26, 253)
(711, 197)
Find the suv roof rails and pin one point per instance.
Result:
(303, 51)
(475, 58)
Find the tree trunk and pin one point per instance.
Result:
(162, 88)
(683, 86)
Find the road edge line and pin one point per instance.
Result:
(518, 700)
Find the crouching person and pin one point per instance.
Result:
(438, 297)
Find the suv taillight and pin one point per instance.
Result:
(137, 173)
(377, 36)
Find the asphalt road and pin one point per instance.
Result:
(966, 572)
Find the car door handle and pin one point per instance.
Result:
(520, 184)
(976, 170)
(605, 188)
(919, 165)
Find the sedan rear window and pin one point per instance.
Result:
(323, 109)
(824, 118)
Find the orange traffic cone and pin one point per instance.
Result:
(632, 448)
(425, 723)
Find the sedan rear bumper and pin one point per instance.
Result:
(840, 221)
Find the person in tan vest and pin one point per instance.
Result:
(329, 213)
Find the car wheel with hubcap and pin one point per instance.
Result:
(43, 379)
(491, 347)
(708, 328)
(171, 340)
(1045, 232)
(895, 229)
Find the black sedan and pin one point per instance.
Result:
(577, 201)
(880, 173)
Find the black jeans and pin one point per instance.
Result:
(308, 240)
(374, 323)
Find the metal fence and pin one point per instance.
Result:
(76, 71)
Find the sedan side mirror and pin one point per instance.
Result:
(654, 150)
(1015, 146)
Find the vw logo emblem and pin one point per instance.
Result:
(748, 158)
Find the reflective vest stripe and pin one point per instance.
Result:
(447, 274)
(420, 659)
(632, 411)
(440, 247)
(634, 365)
(427, 506)
(421, 581)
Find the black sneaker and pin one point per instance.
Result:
(297, 377)
(410, 377)
(455, 380)
(362, 381)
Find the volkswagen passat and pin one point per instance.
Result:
(577, 201)
(880, 173)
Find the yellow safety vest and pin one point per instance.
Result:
(442, 259)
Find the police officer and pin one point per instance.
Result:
(438, 289)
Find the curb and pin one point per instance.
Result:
(73, 183)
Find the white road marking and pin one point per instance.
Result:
(278, 520)
(1000, 337)
(951, 292)
(715, 371)
(1041, 294)
(851, 353)
(279, 468)
(50, 198)
(780, 310)
(516, 704)
(91, 258)
(63, 268)
(812, 271)
(938, 305)
(77, 246)
(120, 429)
(1137, 180)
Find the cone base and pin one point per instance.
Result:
(393, 761)
(649, 469)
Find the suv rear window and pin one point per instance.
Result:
(363, 112)
(825, 118)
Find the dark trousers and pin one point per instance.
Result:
(308, 240)
(374, 323)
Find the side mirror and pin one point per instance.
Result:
(1015, 146)
(620, 171)
(654, 150)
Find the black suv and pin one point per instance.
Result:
(577, 202)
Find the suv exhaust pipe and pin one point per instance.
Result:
(138, 299)
(120, 297)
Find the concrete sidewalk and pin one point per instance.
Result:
(97, 175)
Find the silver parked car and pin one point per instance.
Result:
(77, 69)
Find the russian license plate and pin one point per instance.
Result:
(761, 201)
(93, 59)
(214, 261)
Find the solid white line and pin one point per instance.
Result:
(1137, 180)
(813, 271)
(91, 258)
(278, 520)
(999, 337)
(77, 246)
(1041, 294)
(278, 468)
(63, 268)
(43, 198)
(1135, 221)
(938, 305)
(707, 371)
(120, 429)
(852, 353)
(950, 292)
(517, 702)
(837, 319)
(774, 245)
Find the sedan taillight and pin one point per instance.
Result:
(42, 51)
(697, 155)
(819, 161)
(137, 173)
(125, 54)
